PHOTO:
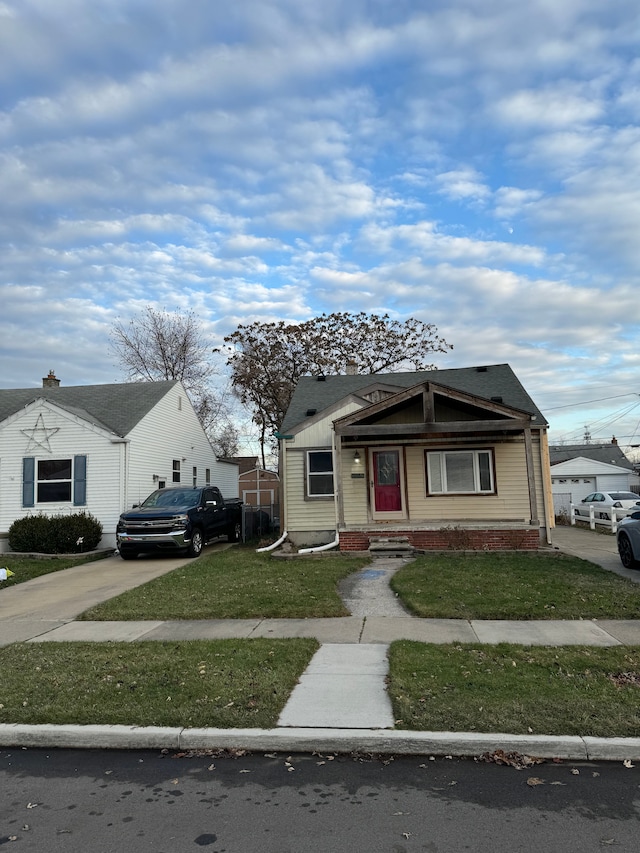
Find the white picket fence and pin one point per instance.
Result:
(611, 523)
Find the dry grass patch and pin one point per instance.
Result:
(516, 689)
(238, 584)
(514, 586)
(220, 684)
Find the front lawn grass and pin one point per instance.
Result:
(515, 689)
(28, 568)
(219, 684)
(514, 586)
(238, 584)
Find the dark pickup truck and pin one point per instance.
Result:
(178, 519)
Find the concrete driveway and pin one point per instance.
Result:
(39, 605)
(599, 548)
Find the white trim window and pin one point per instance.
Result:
(319, 474)
(54, 481)
(460, 472)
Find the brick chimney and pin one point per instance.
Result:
(352, 368)
(50, 381)
(614, 440)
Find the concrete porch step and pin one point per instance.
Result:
(390, 546)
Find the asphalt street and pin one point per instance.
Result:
(70, 801)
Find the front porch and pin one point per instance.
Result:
(445, 536)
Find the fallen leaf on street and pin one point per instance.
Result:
(627, 763)
(512, 759)
(532, 781)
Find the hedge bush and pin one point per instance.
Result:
(55, 534)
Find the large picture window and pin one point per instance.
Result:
(319, 473)
(460, 472)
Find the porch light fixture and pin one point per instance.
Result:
(356, 457)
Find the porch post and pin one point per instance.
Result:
(531, 481)
(337, 480)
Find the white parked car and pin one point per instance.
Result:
(603, 502)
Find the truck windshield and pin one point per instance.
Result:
(173, 497)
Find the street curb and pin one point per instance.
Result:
(381, 741)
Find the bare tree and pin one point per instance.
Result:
(268, 359)
(157, 345)
(161, 345)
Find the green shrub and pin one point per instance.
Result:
(55, 534)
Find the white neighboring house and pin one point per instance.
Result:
(100, 449)
(578, 470)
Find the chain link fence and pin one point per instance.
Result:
(260, 521)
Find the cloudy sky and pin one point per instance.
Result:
(471, 163)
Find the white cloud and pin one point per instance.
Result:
(425, 238)
(554, 107)
(463, 184)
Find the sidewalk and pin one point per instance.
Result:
(341, 702)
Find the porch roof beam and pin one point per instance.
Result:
(470, 427)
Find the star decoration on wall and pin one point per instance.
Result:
(39, 436)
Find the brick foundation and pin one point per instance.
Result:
(449, 539)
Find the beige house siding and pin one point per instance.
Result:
(303, 514)
(510, 503)
(318, 433)
(355, 485)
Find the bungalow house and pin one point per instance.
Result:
(443, 458)
(577, 470)
(99, 448)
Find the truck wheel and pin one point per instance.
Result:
(195, 546)
(128, 555)
(234, 532)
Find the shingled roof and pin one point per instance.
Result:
(117, 407)
(487, 382)
(609, 453)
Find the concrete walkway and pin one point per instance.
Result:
(344, 687)
(341, 700)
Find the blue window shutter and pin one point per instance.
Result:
(28, 477)
(79, 480)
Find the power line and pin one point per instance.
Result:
(586, 402)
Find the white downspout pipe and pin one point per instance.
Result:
(273, 545)
(337, 473)
(326, 547)
(283, 492)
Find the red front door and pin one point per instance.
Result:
(386, 480)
